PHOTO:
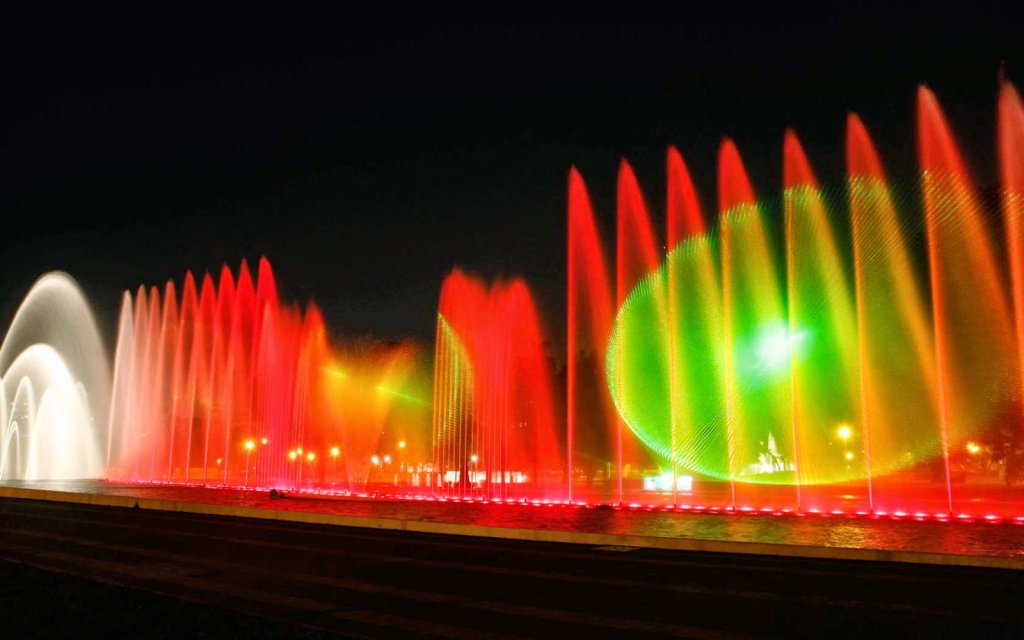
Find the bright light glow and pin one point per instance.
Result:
(849, 455)
(844, 432)
(264, 441)
(293, 455)
(973, 448)
(375, 459)
(250, 445)
(299, 451)
(663, 482)
(473, 458)
(387, 459)
(335, 452)
(776, 346)
(401, 444)
(311, 456)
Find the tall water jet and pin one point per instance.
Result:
(973, 330)
(636, 255)
(590, 417)
(683, 220)
(822, 319)
(1010, 138)
(758, 343)
(898, 389)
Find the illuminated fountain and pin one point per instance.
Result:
(384, 423)
(224, 385)
(832, 351)
(54, 386)
(853, 353)
(494, 433)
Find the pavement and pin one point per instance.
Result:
(249, 576)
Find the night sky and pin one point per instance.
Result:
(367, 158)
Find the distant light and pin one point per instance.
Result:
(375, 460)
(663, 482)
(250, 445)
(335, 452)
(292, 455)
(849, 455)
(844, 432)
(311, 456)
(473, 458)
(299, 450)
(264, 441)
(387, 459)
(973, 448)
(401, 444)
(219, 461)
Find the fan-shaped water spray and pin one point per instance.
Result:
(812, 364)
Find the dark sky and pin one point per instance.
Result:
(367, 157)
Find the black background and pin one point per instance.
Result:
(368, 155)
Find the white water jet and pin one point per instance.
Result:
(54, 386)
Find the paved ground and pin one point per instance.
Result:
(225, 577)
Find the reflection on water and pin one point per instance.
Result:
(971, 538)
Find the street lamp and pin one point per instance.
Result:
(844, 432)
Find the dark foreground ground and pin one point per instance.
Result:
(76, 571)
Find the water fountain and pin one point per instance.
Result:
(833, 368)
(494, 428)
(54, 386)
(225, 385)
(845, 350)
